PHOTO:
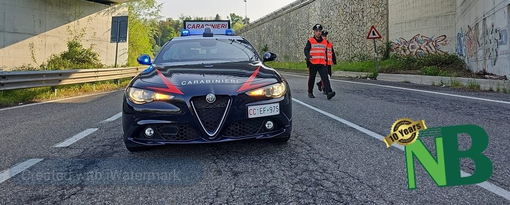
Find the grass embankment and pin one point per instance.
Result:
(433, 64)
(15, 97)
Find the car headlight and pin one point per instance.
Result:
(141, 96)
(273, 91)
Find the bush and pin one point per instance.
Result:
(76, 57)
(441, 60)
(430, 70)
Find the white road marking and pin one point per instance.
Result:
(18, 168)
(486, 185)
(76, 137)
(113, 118)
(70, 98)
(415, 90)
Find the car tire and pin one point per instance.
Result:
(280, 139)
(131, 147)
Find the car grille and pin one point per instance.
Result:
(243, 128)
(211, 115)
(177, 132)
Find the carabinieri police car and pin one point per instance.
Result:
(206, 86)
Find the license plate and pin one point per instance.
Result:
(263, 110)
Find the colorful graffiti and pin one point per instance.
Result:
(467, 42)
(419, 45)
(489, 42)
(493, 39)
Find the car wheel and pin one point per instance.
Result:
(281, 139)
(135, 148)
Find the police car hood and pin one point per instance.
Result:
(202, 79)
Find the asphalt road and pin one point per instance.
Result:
(333, 157)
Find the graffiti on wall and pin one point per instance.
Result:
(419, 45)
(470, 41)
(467, 42)
(493, 39)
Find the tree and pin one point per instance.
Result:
(142, 28)
(234, 18)
(237, 21)
(218, 17)
(167, 29)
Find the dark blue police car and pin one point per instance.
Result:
(204, 88)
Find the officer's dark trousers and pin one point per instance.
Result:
(323, 72)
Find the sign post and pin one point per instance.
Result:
(118, 32)
(374, 34)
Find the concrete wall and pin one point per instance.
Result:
(418, 27)
(348, 21)
(40, 28)
(482, 35)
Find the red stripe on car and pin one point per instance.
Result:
(248, 84)
(170, 88)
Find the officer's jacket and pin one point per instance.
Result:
(318, 51)
(329, 52)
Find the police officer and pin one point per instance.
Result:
(330, 56)
(316, 57)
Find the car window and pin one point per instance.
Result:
(207, 50)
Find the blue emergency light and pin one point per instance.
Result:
(185, 32)
(229, 32)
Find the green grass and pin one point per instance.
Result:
(472, 84)
(455, 83)
(435, 65)
(15, 97)
(365, 66)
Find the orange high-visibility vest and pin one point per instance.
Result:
(318, 51)
(329, 52)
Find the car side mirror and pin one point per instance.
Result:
(144, 59)
(268, 56)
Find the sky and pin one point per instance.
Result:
(255, 9)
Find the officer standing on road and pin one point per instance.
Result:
(331, 59)
(316, 57)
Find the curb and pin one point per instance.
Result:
(483, 84)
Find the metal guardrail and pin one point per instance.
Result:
(11, 80)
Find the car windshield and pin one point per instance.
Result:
(217, 50)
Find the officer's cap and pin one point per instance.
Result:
(317, 27)
(324, 33)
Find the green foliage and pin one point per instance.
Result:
(373, 75)
(430, 70)
(142, 28)
(76, 57)
(455, 83)
(236, 21)
(472, 84)
(234, 18)
(386, 52)
(15, 97)
(439, 65)
(363, 66)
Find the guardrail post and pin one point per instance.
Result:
(54, 89)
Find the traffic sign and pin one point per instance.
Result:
(373, 34)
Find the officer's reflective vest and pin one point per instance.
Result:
(329, 52)
(317, 51)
